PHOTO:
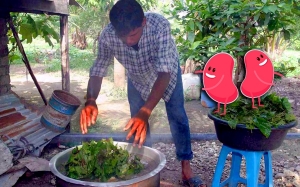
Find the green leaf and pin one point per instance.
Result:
(33, 25)
(228, 42)
(232, 123)
(199, 25)
(195, 44)
(286, 104)
(290, 117)
(47, 39)
(26, 31)
(237, 49)
(264, 128)
(272, 8)
(52, 32)
(267, 19)
(256, 16)
(191, 36)
(191, 25)
(266, 9)
(264, 1)
(14, 57)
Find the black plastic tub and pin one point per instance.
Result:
(246, 139)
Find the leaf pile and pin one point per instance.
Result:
(99, 161)
(275, 112)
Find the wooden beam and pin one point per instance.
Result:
(64, 47)
(55, 7)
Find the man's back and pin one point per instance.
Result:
(156, 53)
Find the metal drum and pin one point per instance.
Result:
(58, 113)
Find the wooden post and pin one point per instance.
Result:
(64, 47)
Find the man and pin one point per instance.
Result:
(142, 43)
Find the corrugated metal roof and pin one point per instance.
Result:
(21, 127)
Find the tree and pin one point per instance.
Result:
(233, 26)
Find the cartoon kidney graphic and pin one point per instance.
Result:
(259, 75)
(217, 80)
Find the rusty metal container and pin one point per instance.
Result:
(153, 160)
(58, 113)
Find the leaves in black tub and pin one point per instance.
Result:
(275, 112)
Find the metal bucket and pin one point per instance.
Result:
(58, 113)
(149, 177)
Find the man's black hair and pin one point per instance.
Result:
(125, 16)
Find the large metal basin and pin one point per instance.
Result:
(153, 160)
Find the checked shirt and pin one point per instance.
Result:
(157, 53)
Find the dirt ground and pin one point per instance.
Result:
(113, 114)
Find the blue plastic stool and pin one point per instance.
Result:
(252, 159)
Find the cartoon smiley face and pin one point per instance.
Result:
(217, 67)
(260, 58)
(210, 73)
(257, 60)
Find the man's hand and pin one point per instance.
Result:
(88, 115)
(138, 125)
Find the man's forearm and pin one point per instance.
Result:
(94, 87)
(157, 91)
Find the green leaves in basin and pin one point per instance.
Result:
(275, 112)
(100, 161)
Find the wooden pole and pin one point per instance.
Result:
(64, 47)
(25, 59)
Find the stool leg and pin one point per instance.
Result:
(268, 169)
(252, 168)
(220, 165)
(235, 170)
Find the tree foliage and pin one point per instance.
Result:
(31, 26)
(95, 16)
(234, 26)
(89, 20)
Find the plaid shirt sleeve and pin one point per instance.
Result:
(104, 57)
(165, 63)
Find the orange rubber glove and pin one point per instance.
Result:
(88, 115)
(138, 125)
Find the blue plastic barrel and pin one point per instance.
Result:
(58, 113)
(205, 100)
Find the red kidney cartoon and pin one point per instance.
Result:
(217, 80)
(259, 75)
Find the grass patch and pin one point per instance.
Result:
(288, 63)
(39, 52)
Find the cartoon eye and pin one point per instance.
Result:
(214, 69)
(209, 68)
(258, 58)
(261, 56)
